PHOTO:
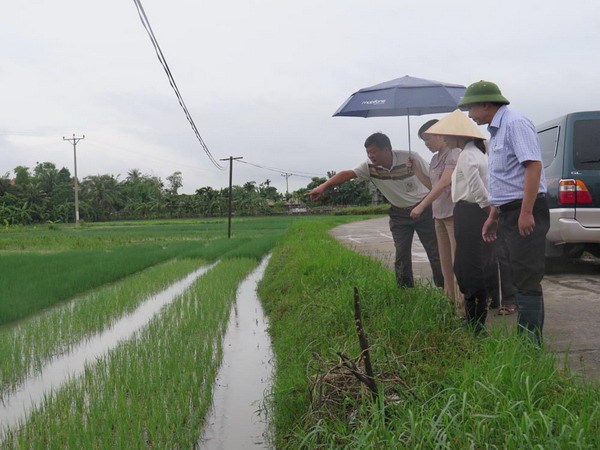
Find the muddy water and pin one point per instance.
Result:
(238, 419)
(16, 407)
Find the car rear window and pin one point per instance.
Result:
(586, 144)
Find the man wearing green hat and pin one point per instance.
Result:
(517, 189)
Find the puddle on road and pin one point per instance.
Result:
(238, 419)
(15, 408)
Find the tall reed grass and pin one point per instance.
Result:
(439, 386)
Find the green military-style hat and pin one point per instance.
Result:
(483, 92)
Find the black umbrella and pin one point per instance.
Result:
(406, 96)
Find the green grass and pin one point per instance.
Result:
(42, 267)
(35, 281)
(373, 210)
(105, 235)
(440, 387)
(24, 347)
(105, 275)
(108, 283)
(150, 392)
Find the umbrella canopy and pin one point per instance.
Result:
(406, 96)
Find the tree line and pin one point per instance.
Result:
(45, 194)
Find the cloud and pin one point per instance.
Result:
(262, 78)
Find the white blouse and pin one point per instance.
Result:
(469, 180)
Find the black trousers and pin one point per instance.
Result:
(403, 228)
(526, 254)
(473, 255)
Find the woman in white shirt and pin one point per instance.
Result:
(470, 195)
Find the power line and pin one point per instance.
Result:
(282, 171)
(163, 62)
(103, 145)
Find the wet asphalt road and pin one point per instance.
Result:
(571, 294)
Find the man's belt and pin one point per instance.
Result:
(516, 204)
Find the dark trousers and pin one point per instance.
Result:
(473, 255)
(527, 259)
(526, 254)
(403, 228)
(501, 288)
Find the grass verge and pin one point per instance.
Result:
(439, 387)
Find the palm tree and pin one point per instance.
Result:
(133, 175)
(103, 195)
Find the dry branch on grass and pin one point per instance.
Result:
(337, 388)
(342, 385)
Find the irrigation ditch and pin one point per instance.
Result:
(240, 397)
(62, 401)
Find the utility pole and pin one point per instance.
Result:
(230, 159)
(74, 140)
(286, 175)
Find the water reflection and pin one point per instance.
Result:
(238, 419)
(16, 407)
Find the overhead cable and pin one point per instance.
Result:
(274, 169)
(103, 145)
(163, 62)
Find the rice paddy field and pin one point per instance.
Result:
(63, 289)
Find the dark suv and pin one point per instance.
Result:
(571, 156)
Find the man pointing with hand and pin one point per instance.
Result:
(387, 170)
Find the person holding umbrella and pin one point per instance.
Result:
(387, 170)
(517, 188)
(438, 179)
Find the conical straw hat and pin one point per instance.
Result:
(455, 124)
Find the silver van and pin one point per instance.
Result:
(571, 157)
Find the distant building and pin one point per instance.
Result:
(295, 205)
(376, 197)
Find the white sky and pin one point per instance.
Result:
(263, 78)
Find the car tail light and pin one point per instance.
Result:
(573, 192)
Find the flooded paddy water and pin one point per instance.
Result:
(238, 419)
(17, 405)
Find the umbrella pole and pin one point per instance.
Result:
(409, 149)
(408, 121)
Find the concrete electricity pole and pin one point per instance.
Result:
(286, 175)
(74, 140)
(230, 159)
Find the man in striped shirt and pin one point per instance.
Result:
(517, 189)
(387, 170)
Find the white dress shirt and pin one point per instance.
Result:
(469, 180)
